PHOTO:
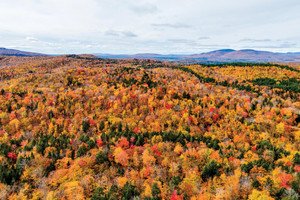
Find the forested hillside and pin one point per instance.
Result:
(79, 127)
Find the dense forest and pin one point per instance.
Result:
(80, 127)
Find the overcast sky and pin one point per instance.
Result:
(149, 26)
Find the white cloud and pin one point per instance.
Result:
(31, 39)
(168, 26)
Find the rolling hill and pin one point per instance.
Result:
(223, 55)
(217, 56)
(246, 55)
(14, 52)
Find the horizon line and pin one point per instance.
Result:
(183, 54)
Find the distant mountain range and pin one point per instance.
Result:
(223, 55)
(14, 52)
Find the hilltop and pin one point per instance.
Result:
(14, 52)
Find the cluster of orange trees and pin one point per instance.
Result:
(76, 127)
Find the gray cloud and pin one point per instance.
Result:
(144, 9)
(288, 45)
(186, 42)
(115, 33)
(181, 40)
(169, 25)
(112, 33)
(255, 40)
(214, 45)
(274, 46)
(204, 38)
(129, 34)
